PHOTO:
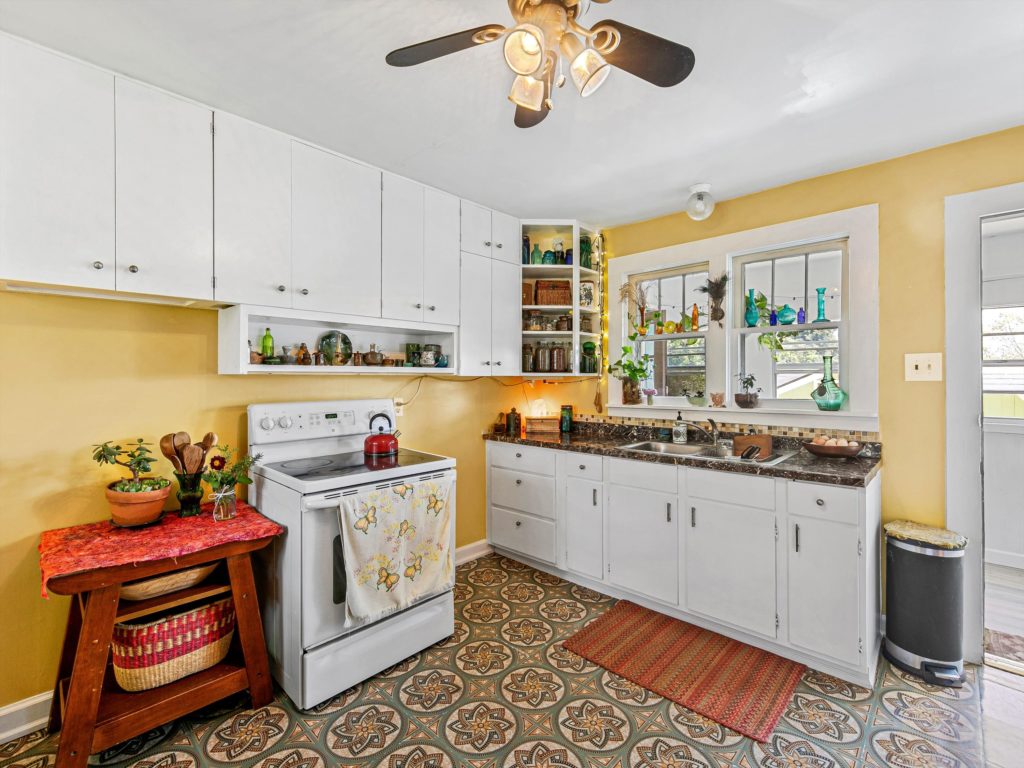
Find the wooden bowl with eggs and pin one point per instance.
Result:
(833, 447)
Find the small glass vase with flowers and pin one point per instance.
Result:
(223, 476)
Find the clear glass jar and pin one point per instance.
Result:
(557, 358)
(543, 358)
(527, 358)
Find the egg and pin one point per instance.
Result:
(819, 440)
(842, 441)
(831, 441)
(854, 444)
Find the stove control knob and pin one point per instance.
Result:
(266, 423)
(284, 422)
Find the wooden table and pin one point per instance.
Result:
(88, 706)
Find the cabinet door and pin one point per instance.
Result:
(584, 525)
(744, 594)
(476, 229)
(824, 571)
(441, 257)
(252, 211)
(402, 213)
(507, 243)
(164, 194)
(475, 313)
(336, 233)
(643, 542)
(56, 169)
(506, 323)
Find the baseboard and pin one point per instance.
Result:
(1001, 557)
(472, 551)
(23, 717)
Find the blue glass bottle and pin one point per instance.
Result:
(773, 318)
(751, 315)
(801, 316)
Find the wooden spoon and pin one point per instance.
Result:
(167, 449)
(181, 439)
(192, 456)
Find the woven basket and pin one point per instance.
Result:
(161, 585)
(157, 653)
(554, 292)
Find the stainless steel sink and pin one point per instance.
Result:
(668, 449)
(703, 451)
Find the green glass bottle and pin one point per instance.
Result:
(536, 257)
(267, 344)
(828, 396)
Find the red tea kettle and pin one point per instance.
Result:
(381, 443)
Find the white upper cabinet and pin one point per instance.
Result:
(475, 327)
(476, 229)
(506, 326)
(56, 169)
(402, 241)
(164, 194)
(336, 233)
(440, 258)
(252, 205)
(506, 238)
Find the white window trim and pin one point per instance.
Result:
(859, 226)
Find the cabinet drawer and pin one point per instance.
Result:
(584, 465)
(641, 474)
(523, 457)
(731, 488)
(523, 491)
(523, 533)
(827, 501)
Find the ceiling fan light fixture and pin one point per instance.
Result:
(700, 204)
(524, 49)
(527, 92)
(589, 70)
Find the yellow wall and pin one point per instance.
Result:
(909, 192)
(80, 371)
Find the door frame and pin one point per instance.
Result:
(964, 436)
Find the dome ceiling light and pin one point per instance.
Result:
(548, 34)
(700, 203)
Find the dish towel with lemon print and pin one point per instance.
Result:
(397, 543)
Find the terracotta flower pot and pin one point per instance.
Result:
(133, 509)
(630, 392)
(746, 399)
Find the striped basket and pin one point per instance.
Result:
(150, 655)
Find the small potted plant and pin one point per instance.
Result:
(748, 397)
(134, 500)
(631, 370)
(697, 398)
(223, 476)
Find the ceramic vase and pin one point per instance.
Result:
(828, 396)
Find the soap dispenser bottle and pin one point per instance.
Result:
(679, 429)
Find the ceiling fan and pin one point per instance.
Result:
(546, 36)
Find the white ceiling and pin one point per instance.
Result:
(782, 89)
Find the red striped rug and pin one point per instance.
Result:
(741, 687)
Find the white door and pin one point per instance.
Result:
(164, 194)
(476, 229)
(506, 323)
(743, 594)
(584, 526)
(824, 571)
(441, 257)
(56, 169)
(252, 213)
(507, 236)
(402, 211)
(336, 233)
(475, 311)
(643, 542)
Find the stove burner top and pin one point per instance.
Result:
(346, 464)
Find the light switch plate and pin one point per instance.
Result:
(923, 366)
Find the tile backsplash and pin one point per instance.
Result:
(805, 433)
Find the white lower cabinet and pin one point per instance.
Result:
(518, 532)
(584, 518)
(729, 564)
(643, 541)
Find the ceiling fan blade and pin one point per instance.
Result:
(649, 57)
(527, 118)
(442, 46)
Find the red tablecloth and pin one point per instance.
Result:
(63, 551)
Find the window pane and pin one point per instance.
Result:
(1002, 320)
(679, 366)
(1004, 347)
(1003, 378)
(1003, 405)
(671, 303)
(789, 282)
(825, 270)
(692, 296)
(757, 275)
(797, 366)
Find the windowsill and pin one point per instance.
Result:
(762, 415)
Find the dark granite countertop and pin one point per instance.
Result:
(855, 473)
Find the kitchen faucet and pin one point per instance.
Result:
(712, 433)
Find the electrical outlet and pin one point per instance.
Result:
(399, 407)
(923, 366)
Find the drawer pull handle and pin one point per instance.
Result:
(518, 523)
(519, 482)
(304, 291)
(133, 269)
(595, 497)
(97, 265)
(796, 531)
(668, 512)
(281, 289)
(519, 455)
(487, 243)
(820, 502)
(583, 466)
(693, 517)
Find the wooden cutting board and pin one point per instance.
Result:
(741, 442)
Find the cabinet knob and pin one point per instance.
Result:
(487, 243)
(583, 466)
(519, 482)
(820, 502)
(498, 362)
(499, 245)
(432, 307)
(97, 265)
(304, 291)
(133, 269)
(281, 289)
(487, 362)
(418, 306)
(519, 455)
(518, 523)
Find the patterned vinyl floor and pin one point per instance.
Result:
(503, 693)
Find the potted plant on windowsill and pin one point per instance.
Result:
(748, 397)
(631, 370)
(134, 500)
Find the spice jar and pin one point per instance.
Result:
(564, 323)
(586, 323)
(527, 358)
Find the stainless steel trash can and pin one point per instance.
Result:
(924, 601)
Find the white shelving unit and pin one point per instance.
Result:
(544, 232)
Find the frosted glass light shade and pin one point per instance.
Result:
(700, 203)
(527, 92)
(524, 49)
(589, 70)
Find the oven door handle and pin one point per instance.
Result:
(326, 501)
